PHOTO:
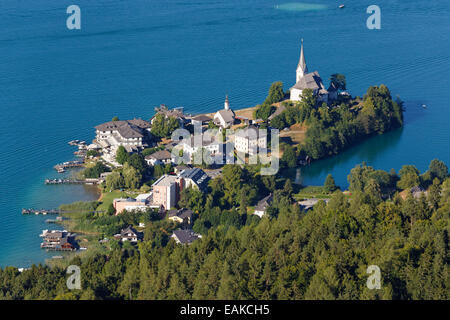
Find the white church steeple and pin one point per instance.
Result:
(227, 103)
(302, 69)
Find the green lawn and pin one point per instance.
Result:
(312, 192)
(108, 197)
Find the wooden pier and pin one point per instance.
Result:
(54, 211)
(64, 181)
(68, 165)
(40, 211)
(73, 181)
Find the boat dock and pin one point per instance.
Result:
(63, 181)
(73, 181)
(54, 211)
(68, 164)
(40, 211)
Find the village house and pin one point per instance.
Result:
(182, 216)
(225, 117)
(180, 168)
(206, 141)
(129, 234)
(133, 135)
(161, 157)
(249, 140)
(195, 178)
(262, 205)
(59, 240)
(201, 120)
(313, 81)
(185, 236)
(416, 192)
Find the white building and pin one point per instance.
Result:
(305, 80)
(195, 178)
(132, 134)
(225, 117)
(161, 157)
(205, 141)
(165, 192)
(262, 205)
(249, 140)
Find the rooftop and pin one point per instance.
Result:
(165, 181)
(197, 175)
(182, 213)
(310, 81)
(227, 115)
(202, 118)
(186, 236)
(249, 132)
(160, 155)
(264, 203)
(127, 128)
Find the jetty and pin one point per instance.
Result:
(68, 164)
(54, 211)
(63, 181)
(40, 211)
(73, 181)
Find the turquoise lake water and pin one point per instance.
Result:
(131, 55)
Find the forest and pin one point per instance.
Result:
(344, 123)
(288, 254)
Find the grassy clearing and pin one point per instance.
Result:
(295, 135)
(312, 192)
(107, 198)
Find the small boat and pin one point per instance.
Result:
(424, 106)
(341, 6)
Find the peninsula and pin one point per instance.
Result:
(163, 230)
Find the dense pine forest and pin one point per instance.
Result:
(288, 254)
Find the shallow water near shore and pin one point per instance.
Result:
(57, 84)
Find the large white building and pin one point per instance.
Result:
(205, 141)
(312, 80)
(132, 134)
(249, 140)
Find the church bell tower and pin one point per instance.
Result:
(302, 69)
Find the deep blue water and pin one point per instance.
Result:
(131, 55)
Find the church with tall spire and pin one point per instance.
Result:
(305, 80)
(225, 118)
